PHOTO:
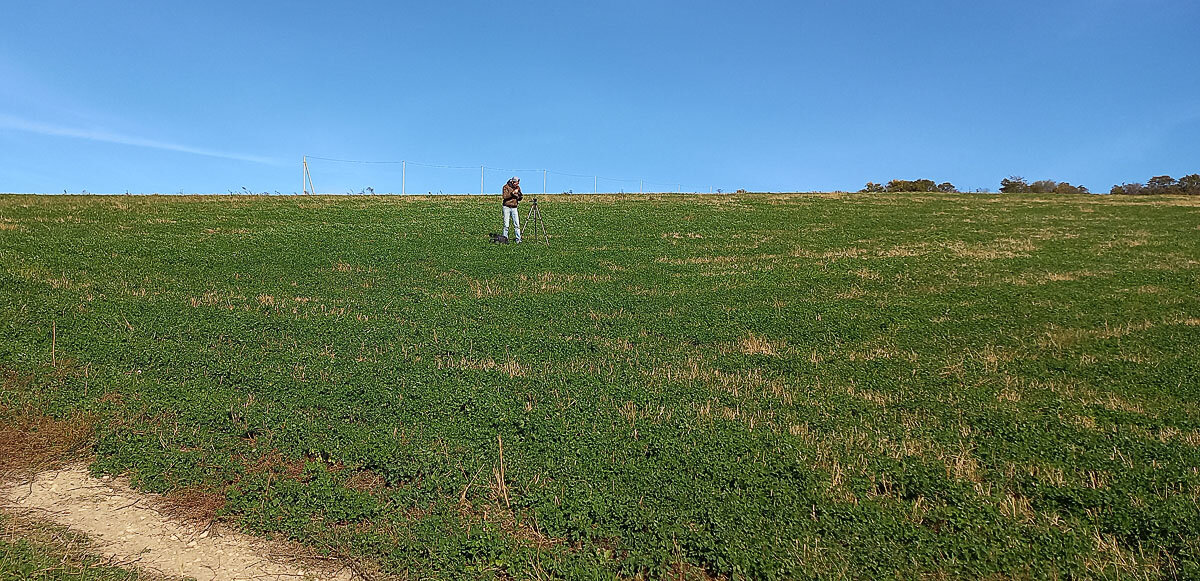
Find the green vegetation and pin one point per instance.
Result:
(756, 386)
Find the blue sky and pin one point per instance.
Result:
(781, 96)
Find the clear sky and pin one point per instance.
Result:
(791, 95)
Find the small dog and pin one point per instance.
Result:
(498, 238)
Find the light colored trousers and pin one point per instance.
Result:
(511, 214)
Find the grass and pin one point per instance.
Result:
(750, 386)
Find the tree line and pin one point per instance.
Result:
(1189, 185)
(1018, 185)
(921, 185)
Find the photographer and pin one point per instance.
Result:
(510, 197)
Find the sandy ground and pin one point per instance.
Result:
(126, 528)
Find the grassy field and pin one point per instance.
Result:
(751, 386)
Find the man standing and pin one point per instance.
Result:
(510, 196)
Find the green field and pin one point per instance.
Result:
(750, 386)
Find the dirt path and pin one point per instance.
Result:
(126, 528)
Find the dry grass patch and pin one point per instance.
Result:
(906, 250)
(868, 274)
(615, 344)
(484, 288)
(875, 353)
(632, 412)
(875, 397)
(216, 298)
(1040, 278)
(31, 442)
(226, 231)
(620, 313)
(746, 382)
(193, 503)
(554, 281)
(1131, 239)
(44, 276)
(524, 530)
(703, 260)
(1046, 473)
(1111, 558)
(683, 571)
(366, 481)
(997, 249)
(962, 465)
(1061, 337)
(753, 344)
(1115, 403)
(852, 252)
(854, 292)
(1017, 507)
(510, 368)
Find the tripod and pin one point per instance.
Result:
(534, 220)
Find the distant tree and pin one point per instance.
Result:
(1018, 185)
(921, 185)
(1189, 184)
(1014, 185)
(1043, 186)
(1067, 188)
(1161, 185)
(1134, 189)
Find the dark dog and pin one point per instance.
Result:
(499, 238)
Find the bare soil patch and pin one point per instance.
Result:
(132, 528)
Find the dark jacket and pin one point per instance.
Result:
(510, 195)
